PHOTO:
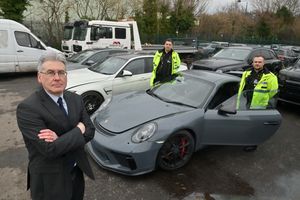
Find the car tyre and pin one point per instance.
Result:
(176, 151)
(92, 101)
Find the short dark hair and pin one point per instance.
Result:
(258, 56)
(168, 40)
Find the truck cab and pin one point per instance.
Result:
(82, 34)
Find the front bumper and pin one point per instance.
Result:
(289, 91)
(116, 152)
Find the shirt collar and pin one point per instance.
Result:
(54, 97)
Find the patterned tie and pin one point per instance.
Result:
(61, 106)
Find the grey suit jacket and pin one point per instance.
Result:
(49, 162)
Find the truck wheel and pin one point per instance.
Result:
(92, 101)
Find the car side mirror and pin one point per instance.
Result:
(90, 62)
(227, 109)
(126, 73)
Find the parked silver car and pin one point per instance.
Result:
(139, 131)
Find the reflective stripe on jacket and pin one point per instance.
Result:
(265, 89)
(175, 64)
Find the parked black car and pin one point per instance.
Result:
(289, 84)
(287, 56)
(208, 49)
(90, 57)
(238, 59)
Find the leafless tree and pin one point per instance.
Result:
(95, 9)
(52, 14)
(197, 6)
(274, 5)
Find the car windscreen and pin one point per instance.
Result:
(184, 90)
(234, 54)
(76, 58)
(109, 66)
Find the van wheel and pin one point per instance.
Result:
(92, 101)
(176, 151)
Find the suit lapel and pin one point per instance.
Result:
(71, 108)
(53, 109)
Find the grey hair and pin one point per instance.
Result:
(51, 55)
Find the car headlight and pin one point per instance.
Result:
(144, 133)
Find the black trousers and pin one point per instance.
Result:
(78, 183)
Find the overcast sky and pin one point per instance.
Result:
(215, 5)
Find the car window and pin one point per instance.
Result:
(136, 66)
(253, 54)
(224, 92)
(110, 66)
(3, 39)
(242, 102)
(22, 39)
(98, 57)
(149, 65)
(120, 33)
(233, 53)
(266, 54)
(185, 90)
(79, 57)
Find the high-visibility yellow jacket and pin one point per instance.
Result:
(175, 64)
(265, 89)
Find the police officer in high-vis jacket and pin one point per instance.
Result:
(258, 85)
(165, 64)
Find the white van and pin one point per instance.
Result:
(20, 50)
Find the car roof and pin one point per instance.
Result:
(213, 77)
(248, 47)
(130, 55)
(106, 49)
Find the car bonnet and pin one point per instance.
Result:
(83, 76)
(133, 109)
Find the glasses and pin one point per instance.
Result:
(51, 73)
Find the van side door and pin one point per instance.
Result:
(7, 52)
(28, 50)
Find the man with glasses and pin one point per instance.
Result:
(55, 127)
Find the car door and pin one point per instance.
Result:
(28, 51)
(139, 80)
(245, 127)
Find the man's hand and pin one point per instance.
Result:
(47, 135)
(81, 126)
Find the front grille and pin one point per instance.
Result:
(65, 48)
(125, 160)
(77, 48)
(290, 90)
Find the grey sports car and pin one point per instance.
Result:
(137, 132)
